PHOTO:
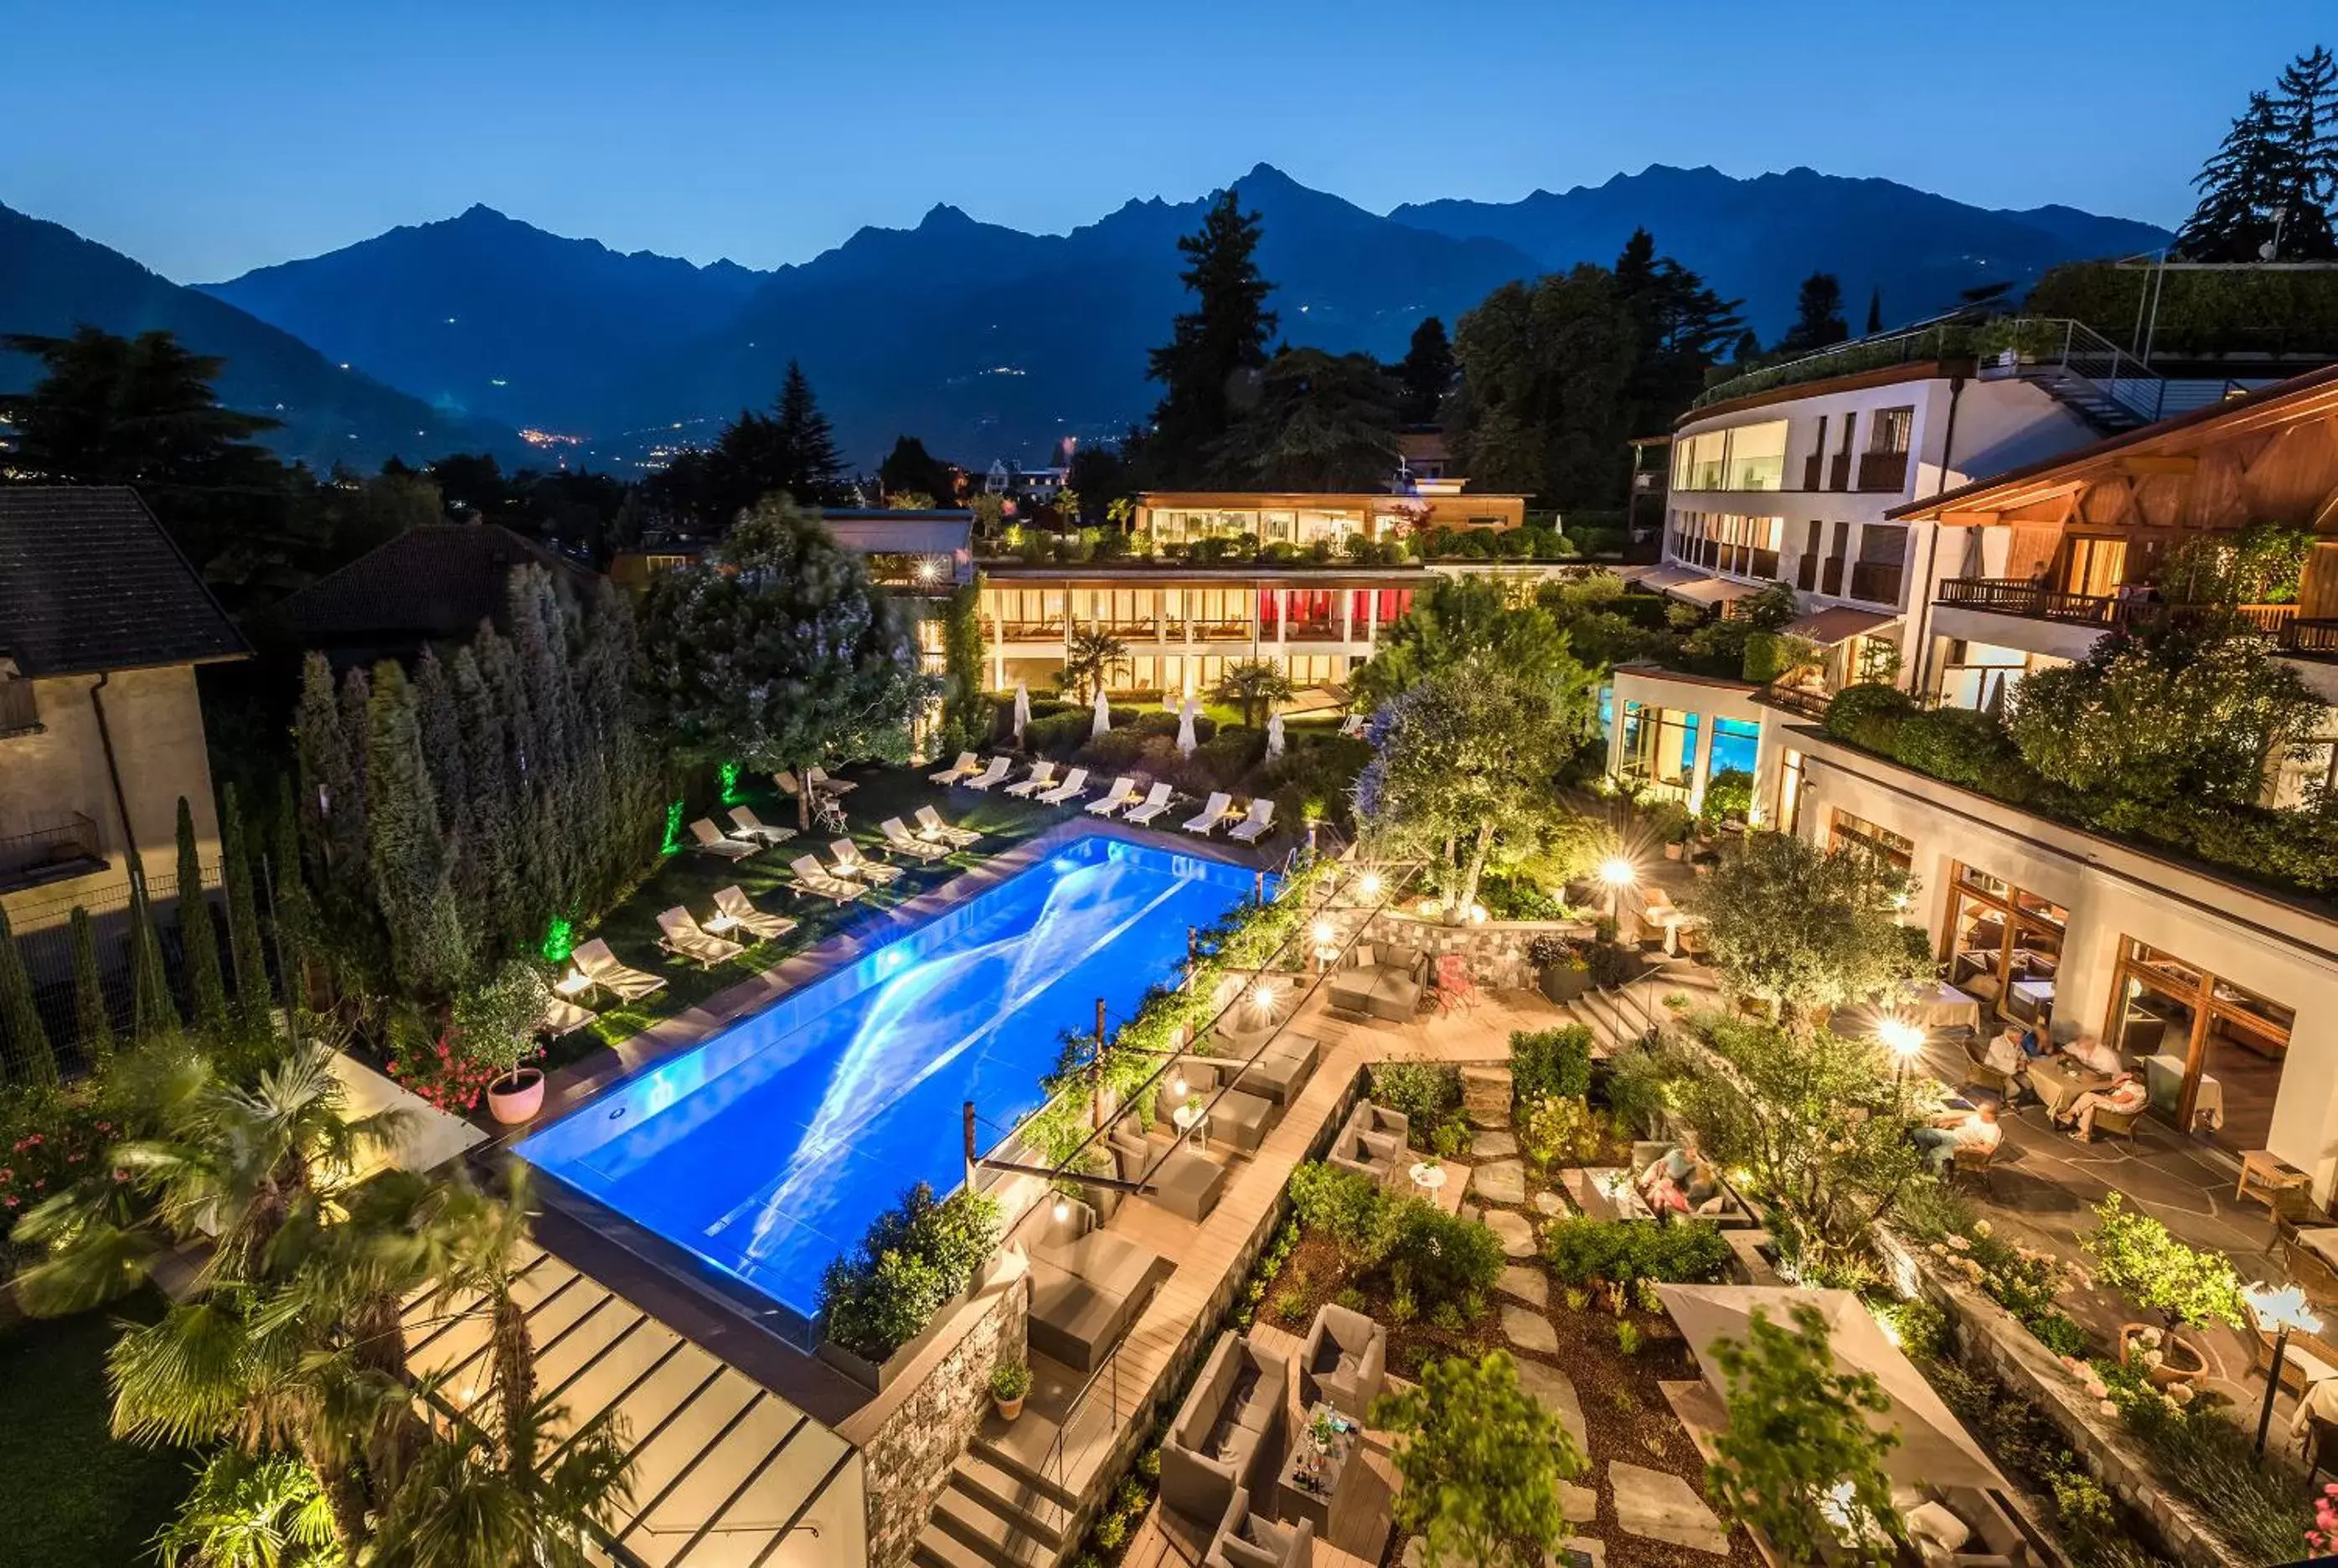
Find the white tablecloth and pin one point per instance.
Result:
(2164, 1074)
(1937, 1004)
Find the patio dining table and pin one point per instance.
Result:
(2058, 1081)
(1937, 1004)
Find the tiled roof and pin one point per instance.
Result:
(89, 581)
(436, 581)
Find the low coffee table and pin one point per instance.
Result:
(1309, 1483)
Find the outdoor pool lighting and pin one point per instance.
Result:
(2280, 1311)
(1368, 885)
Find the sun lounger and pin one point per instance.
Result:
(562, 1017)
(931, 821)
(788, 784)
(1205, 821)
(711, 841)
(817, 777)
(811, 876)
(1353, 726)
(1251, 828)
(683, 939)
(731, 905)
(1072, 787)
(597, 964)
(1156, 801)
(1042, 777)
(746, 826)
(1122, 793)
(900, 840)
(966, 766)
(851, 862)
(994, 774)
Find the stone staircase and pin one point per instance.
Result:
(1621, 1018)
(996, 1513)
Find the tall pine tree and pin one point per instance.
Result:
(1818, 316)
(31, 1058)
(806, 443)
(1212, 363)
(1426, 372)
(2239, 186)
(198, 942)
(2305, 101)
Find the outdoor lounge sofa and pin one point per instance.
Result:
(685, 939)
(1239, 1119)
(746, 826)
(1283, 1065)
(598, 965)
(1156, 801)
(1187, 1183)
(1247, 1538)
(1984, 1533)
(1343, 1362)
(1228, 1432)
(1362, 1148)
(711, 841)
(731, 904)
(1380, 980)
(1087, 1285)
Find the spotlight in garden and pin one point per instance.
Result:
(1615, 871)
(1063, 1210)
(1323, 933)
(1262, 998)
(1368, 885)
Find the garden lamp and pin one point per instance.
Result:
(1323, 933)
(1616, 873)
(1063, 1210)
(1903, 1039)
(2280, 1311)
(1262, 998)
(1369, 886)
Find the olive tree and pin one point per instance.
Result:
(1804, 928)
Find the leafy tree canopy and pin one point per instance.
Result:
(1545, 366)
(1480, 1462)
(909, 469)
(2267, 190)
(1426, 373)
(1209, 368)
(1818, 316)
(1322, 422)
(1458, 619)
(1806, 929)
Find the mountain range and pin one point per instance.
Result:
(988, 341)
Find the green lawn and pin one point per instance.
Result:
(75, 1497)
(690, 879)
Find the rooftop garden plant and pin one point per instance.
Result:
(1480, 1462)
(1623, 1252)
(913, 1259)
(1806, 929)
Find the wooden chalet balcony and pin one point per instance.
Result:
(2032, 602)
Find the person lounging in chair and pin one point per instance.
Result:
(1975, 1129)
(2125, 1096)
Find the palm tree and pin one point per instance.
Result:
(1090, 660)
(246, 1512)
(480, 1239)
(1254, 686)
(500, 1497)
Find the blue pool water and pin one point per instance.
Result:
(766, 1151)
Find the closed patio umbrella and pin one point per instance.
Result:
(1274, 736)
(1022, 709)
(1934, 1448)
(1185, 742)
(1103, 717)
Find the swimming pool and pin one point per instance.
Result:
(766, 1151)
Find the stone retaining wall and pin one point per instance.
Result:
(1993, 1337)
(908, 1458)
(1496, 949)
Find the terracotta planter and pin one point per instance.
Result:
(1007, 1408)
(2180, 1361)
(516, 1099)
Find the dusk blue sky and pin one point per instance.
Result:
(207, 139)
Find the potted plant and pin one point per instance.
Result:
(1010, 1384)
(1559, 968)
(495, 1027)
(2136, 1256)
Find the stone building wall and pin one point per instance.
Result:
(908, 1459)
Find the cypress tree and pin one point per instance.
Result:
(811, 467)
(290, 906)
(1213, 344)
(252, 995)
(152, 1012)
(1875, 311)
(92, 1019)
(492, 849)
(539, 645)
(332, 800)
(428, 951)
(206, 989)
(442, 749)
(31, 1060)
(535, 868)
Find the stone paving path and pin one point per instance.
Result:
(1499, 1181)
(1554, 1390)
(1531, 1286)
(1516, 1236)
(1664, 1507)
(1495, 1144)
(1529, 1330)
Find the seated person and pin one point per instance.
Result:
(2038, 1040)
(1673, 1168)
(2125, 1096)
(2094, 1056)
(1973, 1129)
(2008, 1054)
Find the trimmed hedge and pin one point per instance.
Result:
(1627, 1251)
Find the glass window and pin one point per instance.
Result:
(1702, 460)
(1757, 457)
(1850, 832)
(2004, 944)
(1790, 792)
(1736, 744)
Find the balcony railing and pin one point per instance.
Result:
(18, 715)
(1813, 470)
(1838, 472)
(1312, 632)
(67, 848)
(1800, 699)
(1831, 576)
(1883, 471)
(2033, 602)
(1877, 582)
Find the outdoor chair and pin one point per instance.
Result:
(1343, 1362)
(994, 774)
(1353, 726)
(790, 785)
(1075, 784)
(1226, 1433)
(711, 841)
(2321, 1448)
(966, 766)
(599, 965)
(1379, 980)
(901, 841)
(1964, 1527)
(1122, 793)
(851, 862)
(1239, 1120)
(562, 1017)
(685, 939)
(811, 876)
(1088, 1286)
(1250, 829)
(1185, 1183)
(1247, 1538)
(930, 820)
(1205, 821)
(1361, 1149)
(817, 777)
(1965, 1162)
(2006, 1086)
(1041, 777)
(731, 904)
(745, 825)
(1156, 801)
